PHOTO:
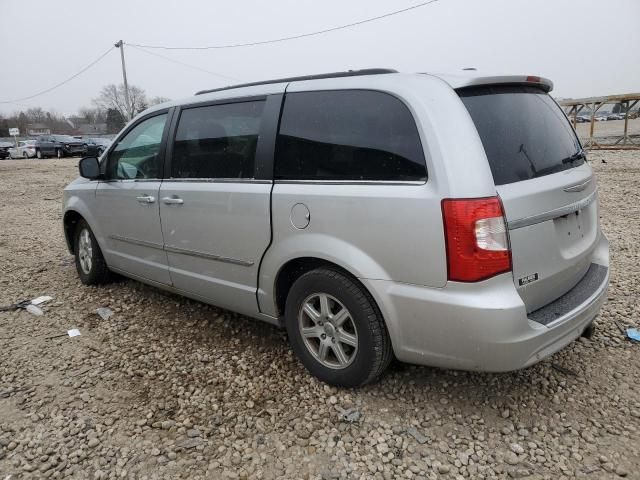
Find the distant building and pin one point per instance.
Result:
(35, 129)
(91, 129)
(80, 126)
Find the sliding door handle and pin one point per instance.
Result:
(172, 200)
(146, 199)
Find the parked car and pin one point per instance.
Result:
(448, 220)
(25, 149)
(4, 149)
(583, 119)
(59, 146)
(97, 145)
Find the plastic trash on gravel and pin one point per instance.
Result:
(32, 309)
(28, 305)
(633, 334)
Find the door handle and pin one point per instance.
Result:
(172, 200)
(146, 199)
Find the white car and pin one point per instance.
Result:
(25, 149)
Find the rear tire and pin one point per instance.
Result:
(59, 153)
(25, 155)
(336, 329)
(90, 264)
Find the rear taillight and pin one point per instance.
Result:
(476, 238)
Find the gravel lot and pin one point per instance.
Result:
(171, 388)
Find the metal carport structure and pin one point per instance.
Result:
(626, 140)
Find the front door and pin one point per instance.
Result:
(46, 146)
(215, 213)
(127, 202)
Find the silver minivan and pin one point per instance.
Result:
(446, 220)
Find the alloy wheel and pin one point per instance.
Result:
(328, 330)
(85, 251)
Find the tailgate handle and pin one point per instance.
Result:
(551, 214)
(578, 187)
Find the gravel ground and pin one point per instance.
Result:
(171, 388)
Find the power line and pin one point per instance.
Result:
(61, 83)
(294, 37)
(183, 63)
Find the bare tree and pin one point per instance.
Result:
(156, 100)
(36, 115)
(113, 96)
(92, 115)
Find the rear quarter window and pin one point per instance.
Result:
(348, 135)
(524, 133)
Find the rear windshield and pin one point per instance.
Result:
(524, 133)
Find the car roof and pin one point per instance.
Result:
(456, 80)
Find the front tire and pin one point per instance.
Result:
(90, 264)
(336, 329)
(39, 154)
(59, 153)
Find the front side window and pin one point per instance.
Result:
(136, 156)
(348, 135)
(217, 141)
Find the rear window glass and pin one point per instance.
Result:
(524, 133)
(348, 135)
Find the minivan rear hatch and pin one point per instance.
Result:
(546, 187)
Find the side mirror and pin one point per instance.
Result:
(89, 168)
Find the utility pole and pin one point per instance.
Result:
(120, 45)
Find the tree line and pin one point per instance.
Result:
(109, 107)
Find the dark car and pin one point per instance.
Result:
(59, 146)
(4, 150)
(95, 146)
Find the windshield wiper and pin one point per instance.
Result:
(579, 155)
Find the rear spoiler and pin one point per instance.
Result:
(457, 81)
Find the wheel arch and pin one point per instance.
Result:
(294, 268)
(70, 222)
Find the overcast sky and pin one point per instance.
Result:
(587, 47)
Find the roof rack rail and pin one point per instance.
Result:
(349, 73)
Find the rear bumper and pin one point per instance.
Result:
(483, 326)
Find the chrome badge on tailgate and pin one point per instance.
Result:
(528, 279)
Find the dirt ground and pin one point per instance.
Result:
(171, 388)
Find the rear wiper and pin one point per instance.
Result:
(579, 155)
